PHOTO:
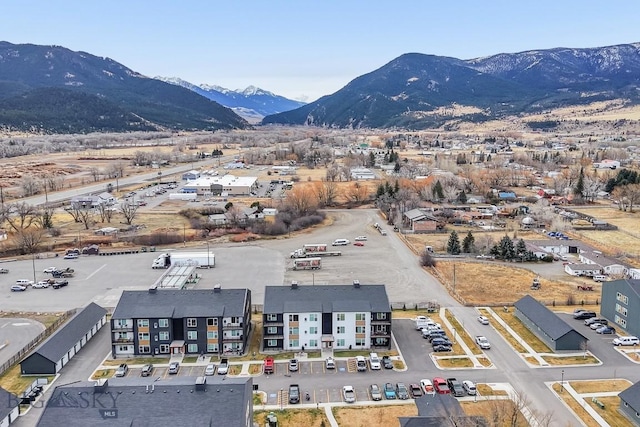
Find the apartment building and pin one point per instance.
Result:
(186, 321)
(621, 305)
(332, 316)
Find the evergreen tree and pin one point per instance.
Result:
(437, 191)
(578, 190)
(396, 167)
(468, 244)
(453, 245)
(521, 250)
(505, 250)
(380, 191)
(462, 197)
(372, 159)
(396, 187)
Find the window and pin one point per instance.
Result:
(163, 323)
(340, 317)
(272, 330)
(235, 333)
(620, 321)
(164, 348)
(144, 349)
(294, 343)
(192, 322)
(622, 310)
(143, 336)
(622, 298)
(212, 335)
(360, 342)
(294, 331)
(313, 343)
(340, 330)
(272, 317)
(121, 323)
(381, 316)
(143, 323)
(360, 330)
(272, 343)
(313, 318)
(361, 316)
(192, 335)
(122, 336)
(313, 330)
(192, 348)
(212, 348)
(123, 348)
(293, 318)
(340, 343)
(164, 336)
(212, 321)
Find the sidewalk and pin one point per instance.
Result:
(465, 347)
(579, 398)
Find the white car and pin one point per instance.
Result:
(330, 363)
(210, 369)
(469, 387)
(361, 239)
(71, 256)
(349, 394)
(374, 361)
(484, 320)
(427, 386)
(40, 285)
(483, 342)
(49, 270)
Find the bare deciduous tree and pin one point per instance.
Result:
(28, 240)
(20, 216)
(29, 185)
(105, 212)
(129, 211)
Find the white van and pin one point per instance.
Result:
(630, 340)
(340, 242)
(361, 363)
(599, 278)
(24, 282)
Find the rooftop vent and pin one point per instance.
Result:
(153, 289)
(356, 283)
(217, 288)
(201, 383)
(100, 386)
(294, 284)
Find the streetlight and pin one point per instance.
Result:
(562, 381)
(33, 262)
(208, 263)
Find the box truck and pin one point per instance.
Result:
(199, 259)
(307, 264)
(302, 253)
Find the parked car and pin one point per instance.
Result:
(386, 362)
(174, 367)
(294, 393)
(628, 340)
(361, 239)
(24, 282)
(340, 242)
(349, 394)
(440, 386)
(358, 243)
(415, 390)
(584, 315)
(402, 391)
(483, 320)
(456, 387)
(606, 330)
(597, 325)
(441, 341)
(71, 256)
(4, 270)
(592, 320)
(60, 284)
(389, 391)
(374, 362)
(40, 285)
(330, 363)
(483, 342)
(427, 386)
(122, 370)
(469, 387)
(375, 392)
(147, 370)
(293, 365)
(441, 348)
(49, 270)
(223, 366)
(18, 288)
(361, 363)
(210, 369)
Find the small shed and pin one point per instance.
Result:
(56, 351)
(9, 409)
(546, 325)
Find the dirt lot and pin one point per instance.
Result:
(372, 415)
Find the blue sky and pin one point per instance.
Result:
(307, 49)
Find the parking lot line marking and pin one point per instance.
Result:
(91, 275)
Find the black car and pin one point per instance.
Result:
(59, 284)
(440, 348)
(456, 387)
(441, 341)
(386, 362)
(294, 393)
(584, 315)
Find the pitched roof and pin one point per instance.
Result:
(9, 403)
(419, 214)
(325, 299)
(58, 344)
(174, 402)
(181, 303)
(545, 319)
(632, 396)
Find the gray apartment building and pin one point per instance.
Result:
(186, 321)
(621, 304)
(328, 316)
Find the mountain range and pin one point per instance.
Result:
(51, 89)
(252, 103)
(416, 91)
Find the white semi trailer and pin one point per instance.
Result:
(199, 259)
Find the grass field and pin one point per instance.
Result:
(497, 412)
(372, 415)
(294, 417)
(524, 332)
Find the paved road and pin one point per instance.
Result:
(15, 333)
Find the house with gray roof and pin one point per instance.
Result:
(144, 402)
(54, 353)
(630, 403)
(621, 304)
(9, 409)
(588, 270)
(329, 316)
(608, 266)
(546, 325)
(441, 410)
(179, 321)
(419, 221)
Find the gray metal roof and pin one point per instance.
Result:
(172, 403)
(544, 318)
(181, 303)
(325, 299)
(632, 396)
(58, 344)
(9, 402)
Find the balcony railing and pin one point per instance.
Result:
(123, 340)
(117, 327)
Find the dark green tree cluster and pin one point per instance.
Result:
(391, 157)
(453, 245)
(507, 251)
(624, 177)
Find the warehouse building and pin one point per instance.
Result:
(230, 185)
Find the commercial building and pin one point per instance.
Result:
(180, 401)
(621, 304)
(192, 321)
(56, 351)
(546, 325)
(329, 316)
(227, 184)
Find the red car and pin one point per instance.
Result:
(440, 385)
(358, 243)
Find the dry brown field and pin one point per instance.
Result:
(372, 415)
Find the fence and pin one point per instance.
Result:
(27, 348)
